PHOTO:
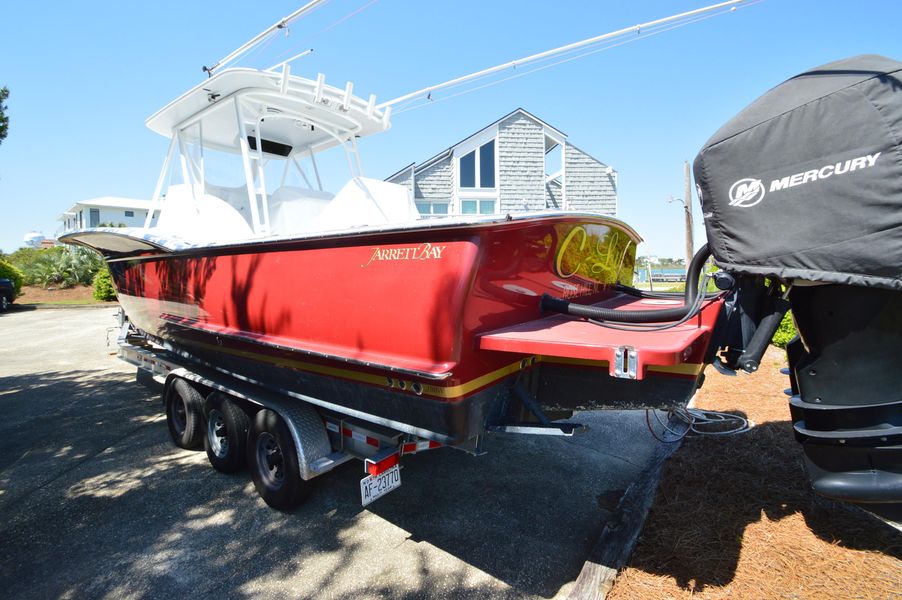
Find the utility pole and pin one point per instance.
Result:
(687, 206)
(686, 201)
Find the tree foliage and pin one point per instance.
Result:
(9, 271)
(4, 120)
(103, 286)
(58, 266)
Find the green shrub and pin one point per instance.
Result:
(103, 286)
(9, 271)
(785, 332)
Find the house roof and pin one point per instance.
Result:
(401, 170)
(447, 151)
(603, 164)
(108, 202)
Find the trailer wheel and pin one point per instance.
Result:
(273, 459)
(226, 433)
(185, 415)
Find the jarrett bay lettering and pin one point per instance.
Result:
(425, 251)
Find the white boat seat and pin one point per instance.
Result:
(366, 202)
(293, 209)
(236, 197)
(200, 218)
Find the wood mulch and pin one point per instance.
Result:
(80, 294)
(734, 517)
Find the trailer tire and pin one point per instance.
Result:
(184, 414)
(273, 458)
(225, 436)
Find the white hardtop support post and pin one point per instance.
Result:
(319, 182)
(303, 173)
(261, 178)
(187, 173)
(246, 161)
(155, 201)
(558, 50)
(200, 145)
(357, 156)
(281, 24)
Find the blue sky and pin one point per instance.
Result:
(84, 76)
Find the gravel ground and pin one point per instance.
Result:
(95, 502)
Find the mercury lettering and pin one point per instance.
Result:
(847, 166)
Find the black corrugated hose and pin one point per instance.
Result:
(690, 298)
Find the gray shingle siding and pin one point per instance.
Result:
(435, 182)
(521, 164)
(591, 185)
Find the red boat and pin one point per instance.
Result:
(295, 329)
(353, 304)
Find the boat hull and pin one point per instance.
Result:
(388, 323)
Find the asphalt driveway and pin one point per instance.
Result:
(95, 502)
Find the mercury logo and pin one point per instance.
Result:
(746, 192)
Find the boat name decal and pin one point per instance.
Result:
(424, 251)
(748, 192)
(592, 254)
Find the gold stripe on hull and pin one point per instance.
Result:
(452, 392)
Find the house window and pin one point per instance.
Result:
(129, 213)
(477, 168)
(477, 206)
(429, 209)
(94, 217)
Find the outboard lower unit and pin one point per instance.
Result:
(802, 198)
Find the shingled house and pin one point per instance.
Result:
(517, 163)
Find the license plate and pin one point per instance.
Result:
(376, 486)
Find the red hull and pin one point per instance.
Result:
(409, 314)
(412, 300)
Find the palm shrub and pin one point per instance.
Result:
(70, 267)
(103, 286)
(27, 259)
(9, 271)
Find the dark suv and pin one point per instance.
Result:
(7, 293)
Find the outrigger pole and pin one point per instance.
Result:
(560, 50)
(281, 24)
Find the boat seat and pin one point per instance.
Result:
(236, 197)
(364, 202)
(200, 218)
(293, 209)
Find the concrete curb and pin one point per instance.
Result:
(615, 545)
(23, 306)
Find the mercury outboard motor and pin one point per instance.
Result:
(801, 194)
